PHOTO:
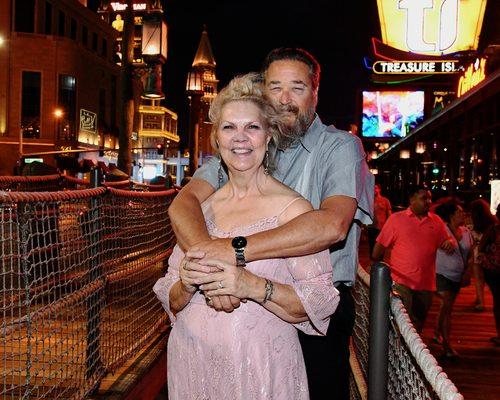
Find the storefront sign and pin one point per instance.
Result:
(88, 121)
(416, 67)
(121, 7)
(432, 27)
(473, 75)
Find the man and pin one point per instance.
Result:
(326, 166)
(414, 236)
(381, 211)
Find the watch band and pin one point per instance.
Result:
(240, 257)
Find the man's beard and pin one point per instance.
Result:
(293, 130)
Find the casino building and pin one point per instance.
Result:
(432, 112)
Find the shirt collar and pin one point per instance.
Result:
(310, 138)
(410, 213)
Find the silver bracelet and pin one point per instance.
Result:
(269, 291)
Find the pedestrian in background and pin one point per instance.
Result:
(382, 210)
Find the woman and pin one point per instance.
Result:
(253, 352)
(482, 221)
(450, 270)
(489, 254)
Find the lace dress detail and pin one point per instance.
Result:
(249, 353)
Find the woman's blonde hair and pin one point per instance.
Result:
(250, 88)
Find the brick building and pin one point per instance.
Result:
(58, 80)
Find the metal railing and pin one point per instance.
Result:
(76, 275)
(407, 370)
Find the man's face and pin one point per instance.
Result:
(288, 84)
(421, 202)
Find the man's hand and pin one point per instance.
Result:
(216, 249)
(219, 303)
(448, 246)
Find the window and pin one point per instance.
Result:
(102, 105)
(104, 48)
(67, 102)
(24, 20)
(61, 28)
(48, 18)
(30, 104)
(94, 41)
(72, 31)
(85, 35)
(112, 109)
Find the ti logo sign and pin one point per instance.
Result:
(431, 27)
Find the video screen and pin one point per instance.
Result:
(391, 114)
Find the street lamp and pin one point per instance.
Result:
(2, 40)
(58, 114)
(195, 92)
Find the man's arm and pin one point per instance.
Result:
(308, 233)
(186, 216)
(378, 252)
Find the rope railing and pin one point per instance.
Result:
(58, 182)
(77, 269)
(413, 372)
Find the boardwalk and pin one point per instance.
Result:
(477, 372)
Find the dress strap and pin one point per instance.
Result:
(289, 204)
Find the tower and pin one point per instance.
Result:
(204, 66)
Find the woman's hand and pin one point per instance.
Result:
(189, 272)
(231, 280)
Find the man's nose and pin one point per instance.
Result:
(285, 97)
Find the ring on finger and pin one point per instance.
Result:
(221, 285)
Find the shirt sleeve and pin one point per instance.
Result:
(163, 285)
(347, 174)
(209, 172)
(442, 234)
(386, 236)
(312, 281)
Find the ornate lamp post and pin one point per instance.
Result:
(195, 92)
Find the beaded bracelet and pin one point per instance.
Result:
(269, 291)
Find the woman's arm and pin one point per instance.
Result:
(241, 283)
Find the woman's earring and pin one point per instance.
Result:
(266, 163)
(220, 175)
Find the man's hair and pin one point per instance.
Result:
(414, 189)
(295, 54)
(249, 88)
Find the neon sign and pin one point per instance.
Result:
(432, 27)
(121, 7)
(473, 75)
(416, 67)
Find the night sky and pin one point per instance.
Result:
(243, 32)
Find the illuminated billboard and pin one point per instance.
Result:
(431, 27)
(391, 114)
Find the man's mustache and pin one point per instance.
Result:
(290, 108)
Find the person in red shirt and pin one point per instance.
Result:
(414, 236)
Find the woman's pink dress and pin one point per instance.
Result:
(249, 353)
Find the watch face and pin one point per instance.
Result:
(239, 242)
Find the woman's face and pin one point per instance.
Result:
(458, 216)
(242, 136)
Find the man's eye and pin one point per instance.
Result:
(298, 89)
(275, 89)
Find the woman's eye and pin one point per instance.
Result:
(226, 127)
(254, 126)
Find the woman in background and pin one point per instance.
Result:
(450, 269)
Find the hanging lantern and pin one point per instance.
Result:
(404, 154)
(194, 81)
(420, 148)
(154, 36)
(152, 88)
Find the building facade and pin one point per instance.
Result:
(58, 81)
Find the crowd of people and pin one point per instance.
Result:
(259, 285)
(435, 252)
